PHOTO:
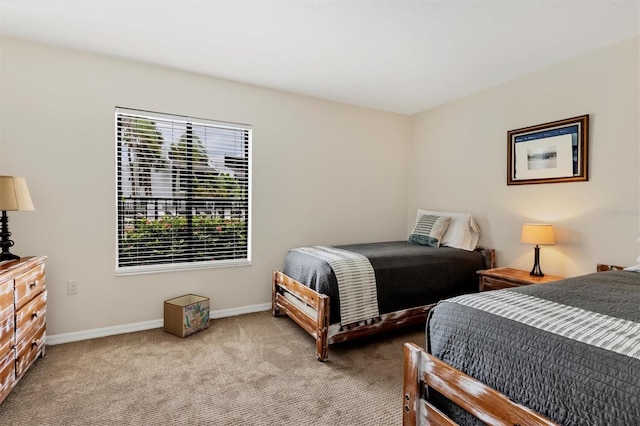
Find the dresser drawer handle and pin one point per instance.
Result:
(33, 284)
(34, 315)
(34, 344)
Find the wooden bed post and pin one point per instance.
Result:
(489, 256)
(274, 291)
(322, 336)
(411, 387)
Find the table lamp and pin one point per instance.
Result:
(538, 234)
(14, 196)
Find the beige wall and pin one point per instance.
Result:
(457, 161)
(323, 173)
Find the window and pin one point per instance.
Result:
(183, 188)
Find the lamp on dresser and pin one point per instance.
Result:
(14, 196)
(538, 234)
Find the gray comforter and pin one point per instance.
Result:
(407, 275)
(582, 380)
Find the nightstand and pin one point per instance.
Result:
(497, 278)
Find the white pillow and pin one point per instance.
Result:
(462, 232)
(635, 268)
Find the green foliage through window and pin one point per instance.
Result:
(166, 240)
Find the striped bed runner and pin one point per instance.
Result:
(356, 282)
(600, 330)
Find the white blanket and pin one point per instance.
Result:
(606, 332)
(356, 282)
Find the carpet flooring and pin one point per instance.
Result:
(247, 370)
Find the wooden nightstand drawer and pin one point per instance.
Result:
(30, 314)
(488, 283)
(499, 278)
(28, 285)
(29, 348)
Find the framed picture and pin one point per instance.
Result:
(548, 153)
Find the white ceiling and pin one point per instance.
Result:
(394, 55)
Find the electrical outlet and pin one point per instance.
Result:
(72, 287)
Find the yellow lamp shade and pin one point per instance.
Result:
(14, 194)
(538, 233)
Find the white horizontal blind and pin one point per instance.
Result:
(183, 192)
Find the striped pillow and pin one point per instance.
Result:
(429, 230)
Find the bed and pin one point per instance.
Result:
(345, 292)
(409, 278)
(566, 353)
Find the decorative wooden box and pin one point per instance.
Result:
(186, 315)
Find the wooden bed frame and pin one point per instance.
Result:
(423, 371)
(310, 310)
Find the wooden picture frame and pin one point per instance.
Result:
(549, 153)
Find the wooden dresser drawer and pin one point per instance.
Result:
(6, 299)
(7, 373)
(28, 349)
(7, 334)
(30, 314)
(28, 285)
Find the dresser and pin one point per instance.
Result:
(23, 305)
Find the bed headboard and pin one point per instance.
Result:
(489, 257)
(603, 268)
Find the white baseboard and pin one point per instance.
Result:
(56, 339)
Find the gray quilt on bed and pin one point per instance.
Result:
(588, 379)
(407, 275)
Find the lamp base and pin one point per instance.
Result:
(536, 271)
(5, 241)
(8, 256)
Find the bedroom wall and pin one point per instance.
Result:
(323, 173)
(457, 162)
